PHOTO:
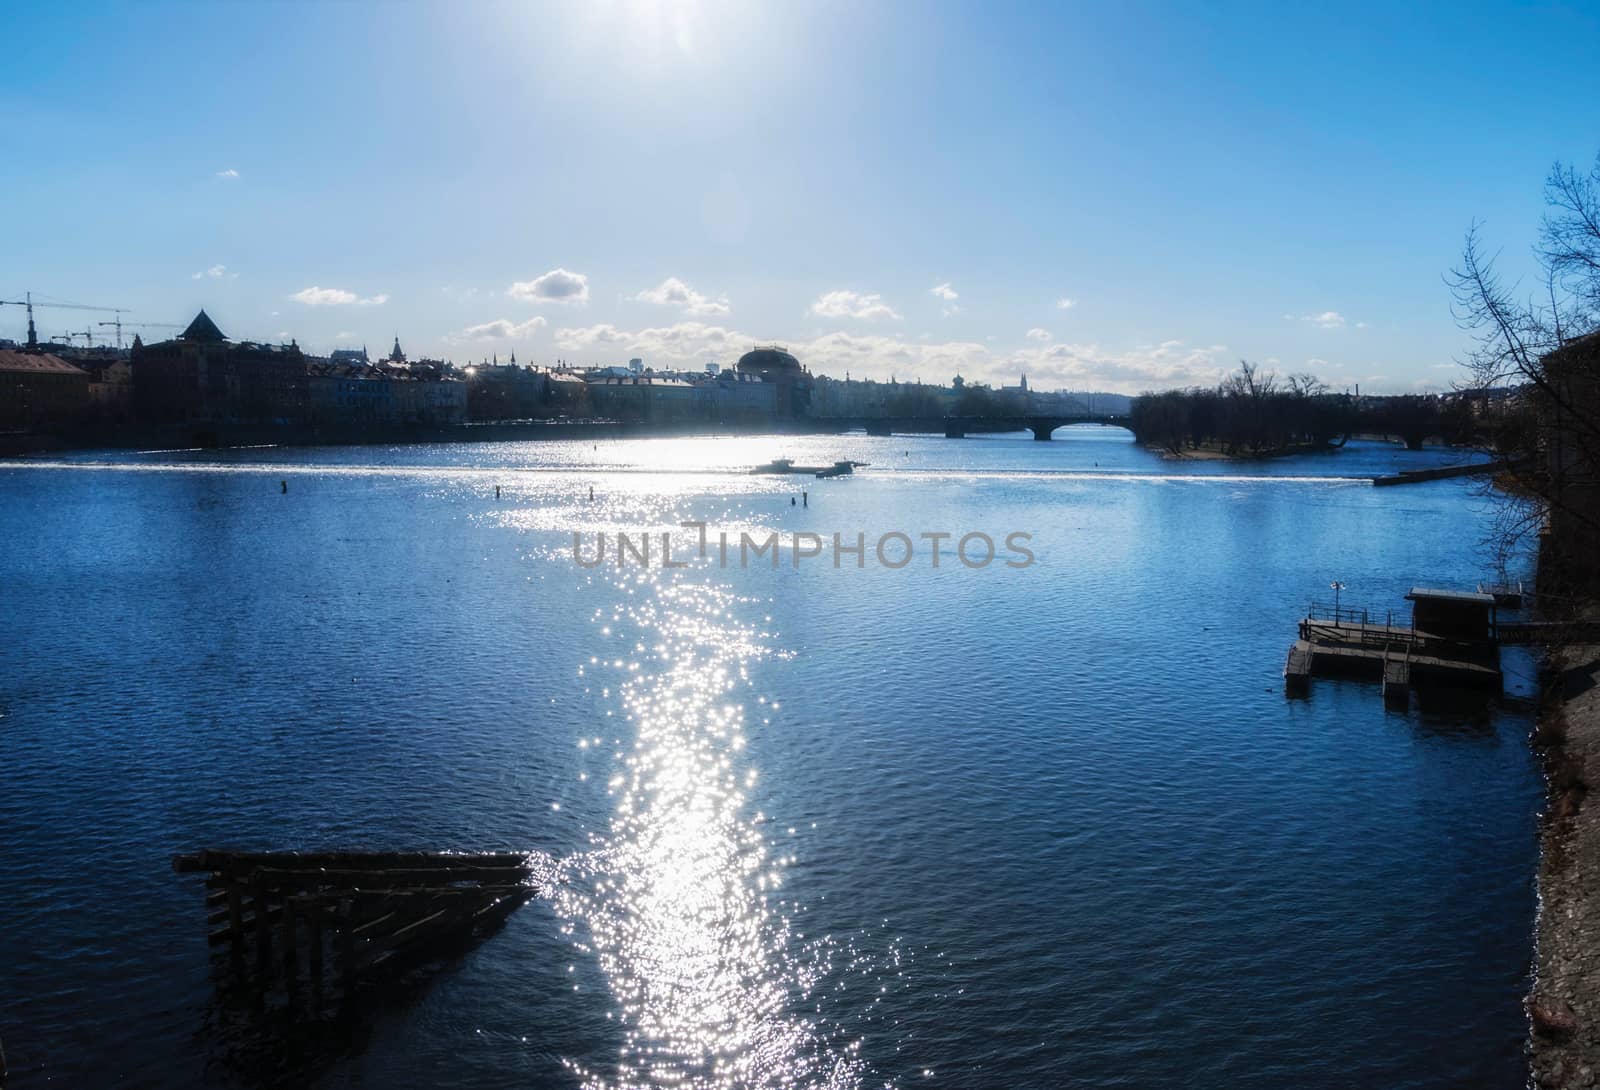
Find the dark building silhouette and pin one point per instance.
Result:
(38, 388)
(791, 381)
(200, 375)
(1567, 404)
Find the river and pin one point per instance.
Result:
(1043, 823)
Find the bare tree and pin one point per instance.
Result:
(1306, 385)
(1547, 346)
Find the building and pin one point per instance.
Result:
(1458, 615)
(202, 376)
(792, 383)
(382, 395)
(497, 391)
(568, 394)
(736, 398)
(38, 388)
(654, 399)
(110, 387)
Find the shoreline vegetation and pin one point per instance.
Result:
(1546, 344)
(1216, 453)
(1255, 414)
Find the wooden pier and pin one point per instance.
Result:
(1451, 642)
(331, 918)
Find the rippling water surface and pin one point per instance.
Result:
(801, 825)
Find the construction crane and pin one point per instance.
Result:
(119, 323)
(33, 338)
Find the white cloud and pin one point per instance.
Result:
(947, 296)
(686, 343)
(1039, 334)
(1160, 366)
(1065, 304)
(500, 329)
(673, 292)
(216, 272)
(849, 304)
(690, 344)
(880, 357)
(1327, 319)
(555, 286)
(332, 297)
(230, 174)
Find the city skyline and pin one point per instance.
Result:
(1119, 200)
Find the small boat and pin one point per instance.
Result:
(838, 469)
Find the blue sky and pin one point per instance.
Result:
(905, 189)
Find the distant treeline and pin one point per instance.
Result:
(1256, 413)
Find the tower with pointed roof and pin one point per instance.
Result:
(202, 377)
(202, 330)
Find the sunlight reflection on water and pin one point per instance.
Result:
(677, 902)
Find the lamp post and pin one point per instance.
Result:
(1337, 587)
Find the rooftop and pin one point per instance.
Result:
(1435, 594)
(202, 329)
(36, 363)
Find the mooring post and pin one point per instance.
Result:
(314, 951)
(347, 946)
(291, 956)
(258, 898)
(235, 916)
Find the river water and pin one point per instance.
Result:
(800, 825)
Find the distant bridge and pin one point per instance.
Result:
(959, 427)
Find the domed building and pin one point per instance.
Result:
(791, 382)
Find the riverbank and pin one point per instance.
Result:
(1564, 1007)
(1218, 454)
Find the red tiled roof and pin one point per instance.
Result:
(37, 363)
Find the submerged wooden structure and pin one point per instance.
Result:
(841, 468)
(1452, 641)
(331, 918)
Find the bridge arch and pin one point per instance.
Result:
(1045, 427)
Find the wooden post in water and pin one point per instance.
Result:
(235, 919)
(347, 946)
(314, 954)
(258, 899)
(291, 956)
